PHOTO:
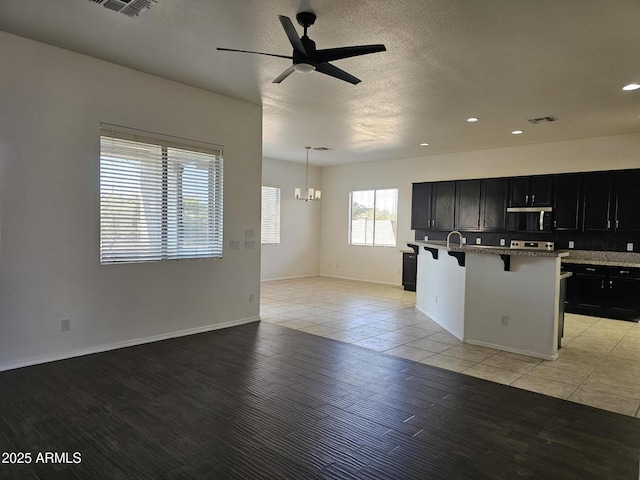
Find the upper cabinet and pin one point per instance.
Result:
(468, 205)
(596, 212)
(627, 201)
(493, 204)
(530, 191)
(566, 202)
(421, 218)
(433, 205)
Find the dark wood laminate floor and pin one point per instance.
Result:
(263, 401)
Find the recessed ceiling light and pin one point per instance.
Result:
(472, 119)
(517, 132)
(631, 86)
(424, 144)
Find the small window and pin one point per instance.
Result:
(159, 200)
(374, 217)
(270, 215)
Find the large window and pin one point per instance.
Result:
(374, 217)
(270, 215)
(159, 200)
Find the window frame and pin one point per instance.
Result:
(375, 211)
(278, 221)
(156, 183)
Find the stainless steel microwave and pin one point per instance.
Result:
(529, 219)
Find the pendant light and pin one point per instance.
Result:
(310, 193)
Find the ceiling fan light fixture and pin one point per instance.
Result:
(631, 87)
(304, 67)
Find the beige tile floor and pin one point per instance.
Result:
(599, 363)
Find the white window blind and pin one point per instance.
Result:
(270, 215)
(374, 217)
(159, 200)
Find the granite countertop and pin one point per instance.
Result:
(489, 249)
(592, 257)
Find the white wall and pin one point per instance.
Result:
(51, 104)
(379, 264)
(298, 253)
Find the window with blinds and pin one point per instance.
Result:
(270, 215)
(374, 217)
(159, 199)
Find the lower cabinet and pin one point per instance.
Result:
(409, 270)
(603, 291)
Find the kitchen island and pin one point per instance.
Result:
(492, 296)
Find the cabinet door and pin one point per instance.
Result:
(566, 202)
(443, 208)
(421, 206)
(592, 292)
(468, 205)
(519, 192)
(494, 204)
(628, 201)
(597, 202)
(624, 297)
(540, 189)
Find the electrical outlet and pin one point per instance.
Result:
(571, 244)
(249, 244)
(504, 320)
(251, 297)
(629, 247)
(234, 244)
(464, 240)
(426, 238)
(503, 242)
(249, 234)
(66, 324)
(436, 298)
(478, 241)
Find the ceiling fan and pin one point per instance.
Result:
(306, 58)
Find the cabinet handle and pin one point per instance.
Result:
(617, 223)
(533, 199)
(602, 285)
(526, 199)
(608, 223)
(591, 269)
(610, 283)
(624, 271)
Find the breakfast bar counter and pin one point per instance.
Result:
(497, 297)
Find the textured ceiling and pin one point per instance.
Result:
(502, 61)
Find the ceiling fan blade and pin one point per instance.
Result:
(291, 32)
(331, 54)
(257, 53)
(284, 74)
(332, 71)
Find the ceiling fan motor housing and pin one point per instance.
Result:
(306, 19)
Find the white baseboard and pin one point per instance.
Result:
(288, 278)
(361, 280)
(512, 350)
(458, 335)
(123, 344)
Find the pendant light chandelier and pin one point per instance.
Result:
(310, 193)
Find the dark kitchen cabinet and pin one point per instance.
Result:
(433, 206)
(530, 191)
(421, 218)
(603, 291)
(468, 203)
(493, 204)
(443, 205)
(627, 218)
(596, 206)
(566, 202)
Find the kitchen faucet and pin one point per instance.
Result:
(449, 237)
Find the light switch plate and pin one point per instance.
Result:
(571, 244)
(629, 247)
(503, 242)
(478, 241)
(464, 240)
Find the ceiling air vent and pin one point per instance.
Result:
(542, 120)
(131, 8)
